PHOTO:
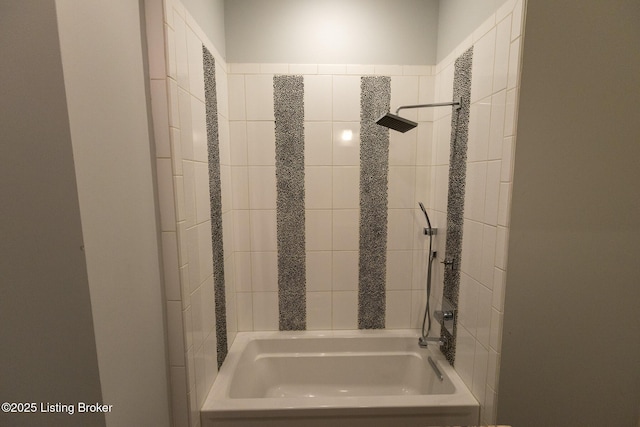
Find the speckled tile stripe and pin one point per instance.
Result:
(288, 102)
(455, 201)
(213, 148)
(375, 97)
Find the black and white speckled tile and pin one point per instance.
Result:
(288, 94)
(455, 201)
(215, 189)
(375, 97)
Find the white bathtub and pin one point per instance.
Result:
(336, 378)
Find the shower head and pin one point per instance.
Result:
(395, 122)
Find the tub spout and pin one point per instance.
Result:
(424, 341)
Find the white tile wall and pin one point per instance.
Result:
(495, 76)
(177, 88)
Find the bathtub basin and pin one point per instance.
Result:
(336, 378)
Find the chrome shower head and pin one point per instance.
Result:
(395, 122)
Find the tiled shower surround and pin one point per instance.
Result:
(418, 164)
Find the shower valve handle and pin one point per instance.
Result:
(449, 263)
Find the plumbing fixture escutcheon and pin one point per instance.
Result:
(447, 316)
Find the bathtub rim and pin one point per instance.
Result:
(218, 404)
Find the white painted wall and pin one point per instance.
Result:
(458, 18)
(102, 59)
(570, 347)
(332, 31)
(48, 345)
(209, 14)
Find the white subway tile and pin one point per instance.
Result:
(175, 333)
(182, 56)
(484, 28)
(244, 68)
(398, 310)
(480, 362)
(345, 270)
(483, 323)
(475, 191)
(319, 271)
(242, 268)
(417, 70)
(510, 113)
(501, 60)
(240, 187)
(160, 112)
(259, 97)
(170, 266)
(506, 173)
(492, 197)
(318, 101)
(514, 64)
(241, 235)
(346, 143)
(496, 131)
(262, 187)
(479, 126)
(359, 69)
(482, 67)
(425, 144)
(318, 187)
(265, 311)
(401, 187)
(244, 305)
(345, 229)
(199, 130)
(194, 259)
(405, 91)
(318, 310)
(516, 27)
(238, 142)
(346, 187)
(332, 69)
(399, 270)
(165, 195)
(495, 338)
(201, 179)
(274, 68)
(346, 98)
(176, 151)
(472, 249)
(501, 247)
(317, 224)
(318, 143)
(426, 95)
(261, 143)
(186, 133)
(205, 251)
(264, 271)
(499, 281)
(201, 376)
(173, 103)
(504, 204)
(196, 70)
(388, 70)
(399, 229)
(303, 68)
(263, 230)
(345, 310)
(237, 106)
(465, 355)
(402, 148)
(468, 303)
(222, 91)
(488, 255)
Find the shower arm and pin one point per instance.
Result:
(455, 103)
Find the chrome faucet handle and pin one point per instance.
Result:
(448, 262)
